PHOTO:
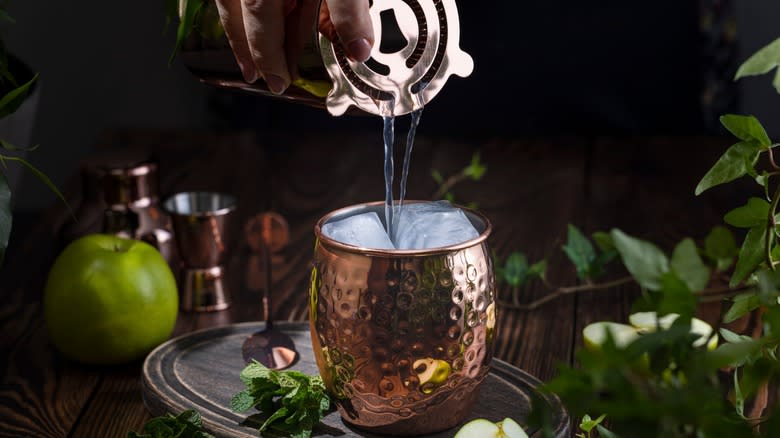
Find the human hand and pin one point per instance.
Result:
(267, 36)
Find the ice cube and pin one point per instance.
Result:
(426, 225)
(363, 230)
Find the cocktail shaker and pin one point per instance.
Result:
(416, 50)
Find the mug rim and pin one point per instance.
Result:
(330, 242)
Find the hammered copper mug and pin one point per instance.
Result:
(403, 338)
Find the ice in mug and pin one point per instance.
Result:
(421, 225)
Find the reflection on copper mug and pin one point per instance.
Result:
(203, 230)
(403, 338)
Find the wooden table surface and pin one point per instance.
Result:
(532, 190)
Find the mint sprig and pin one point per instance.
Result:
(291, 402)
(185, 425)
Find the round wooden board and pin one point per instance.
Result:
(200, 371)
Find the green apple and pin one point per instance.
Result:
(481, 428)
(109, 300)
(649, 321)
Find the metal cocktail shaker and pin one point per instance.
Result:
(416, 51)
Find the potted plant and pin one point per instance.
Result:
(18, 100)
(667, 373)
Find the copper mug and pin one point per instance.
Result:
(403, 338)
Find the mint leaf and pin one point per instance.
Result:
(644, 261)
(254, 371)
(516, 269)
(689, 267)
(242, 401)
(734, 163)
(292, 402)
(188, 424)
(580, 251)
(746, 128)
(752, 214)
(750, 255)
(762, 62)
(720, 247)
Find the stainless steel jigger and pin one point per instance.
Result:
(203, 228)
(404, 73)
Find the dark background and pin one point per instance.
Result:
(542, 67)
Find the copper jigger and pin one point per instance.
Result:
(203, 229)
(403, 338)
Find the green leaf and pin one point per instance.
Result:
(190, 416)
(44, 179)
(475, 170)
(644, 261)
(752, 214)
(676, 296)
(768, 286)
(436, 175)
(732, 337)
(605, 433)
(720, 247)
(14, 98)
(689, 267)
(746, 128)
(739, 400)
(242, 401)
(253, 371)
(733, 164)
(743, 304)
(580, 251)
(587, 424)
(763, 179)
(516, 269)
(762, 62)
(188, 424)
(732, 354)
(10, 147)
(5, 17)
(603, 241)
(292, 402)
(191, 9)
(750, 255)
(538, 269)
(6, 219)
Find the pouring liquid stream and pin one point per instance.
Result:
(388, 135)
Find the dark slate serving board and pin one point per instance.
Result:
(200, 371)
